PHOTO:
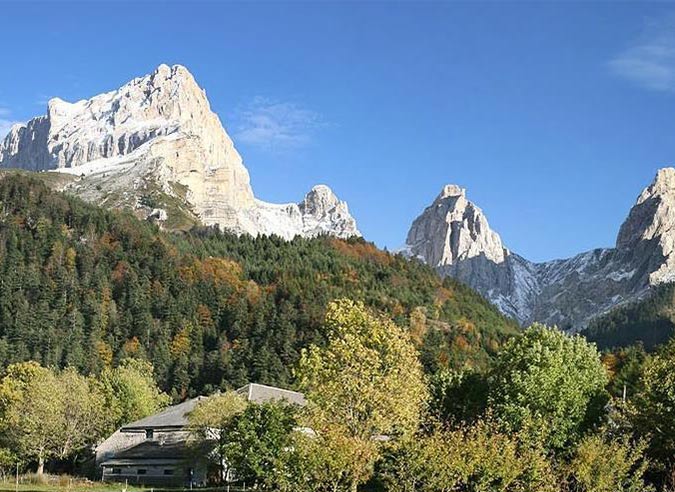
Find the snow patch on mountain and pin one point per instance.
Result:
(158, 136)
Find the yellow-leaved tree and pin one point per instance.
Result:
(364, 386)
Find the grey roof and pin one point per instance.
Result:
(158, 451)
(173, 417)
(260, 393)
(176, 416)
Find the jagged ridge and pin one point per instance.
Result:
(453, 235)
(157, 135)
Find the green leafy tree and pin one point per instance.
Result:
(47, 414)
(330, 460)
(85, 415)
(549, 382)
(652, 411)
(211, 419)
(215, 413)
(9, 462)
(257, 443)
(31, 406)
(131, 392)
(367, 380)
(478, 458)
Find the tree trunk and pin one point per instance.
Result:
(355, 486)
(41, 465)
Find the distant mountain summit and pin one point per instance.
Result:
(461, 225)
(155, 146)
(453, 235)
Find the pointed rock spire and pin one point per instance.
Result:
(453, 235)
(453, 229)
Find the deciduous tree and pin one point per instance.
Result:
(549, 382)
(602, 463)
(366, 381)
(211, 418)
(131, 392)
(477, 458)
(257, 444)
(46, 414)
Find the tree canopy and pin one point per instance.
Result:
(365, 383)
(45, 415)
(550, 382)
(84, 287)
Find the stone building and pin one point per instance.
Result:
(159, 450)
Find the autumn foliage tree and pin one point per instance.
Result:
(366, 382)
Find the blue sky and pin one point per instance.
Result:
(553, 115)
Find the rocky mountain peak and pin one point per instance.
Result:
(653, 214)
(453, 235)
(453, 229)
(649, 231)
(451, 190)
(663, 184)
(324, 212)
(319, 200)
(157, 134)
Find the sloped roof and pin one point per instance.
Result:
(173, 417)
(176, 417)
(161, 452)
(260, 393)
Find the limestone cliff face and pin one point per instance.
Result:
(567, 292)
(459, 228)
(648, 234)
(320, 212)
(156, 132)
(323, 212)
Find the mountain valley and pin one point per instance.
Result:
(453, 236)
(154, 147)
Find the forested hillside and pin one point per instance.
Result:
(650, 322)
(85, 287)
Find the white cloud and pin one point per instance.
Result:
(650, 60)
(5, 122)
(275, 125)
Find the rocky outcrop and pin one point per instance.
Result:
(157, 133)
(459, 228)
(454, 236)
(321, 212)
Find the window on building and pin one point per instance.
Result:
(149, 433)
(116, 471)
(168, 471)
(141, 471)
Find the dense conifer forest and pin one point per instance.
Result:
(650, 322)
(83, 287)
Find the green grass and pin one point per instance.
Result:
(64, 484)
